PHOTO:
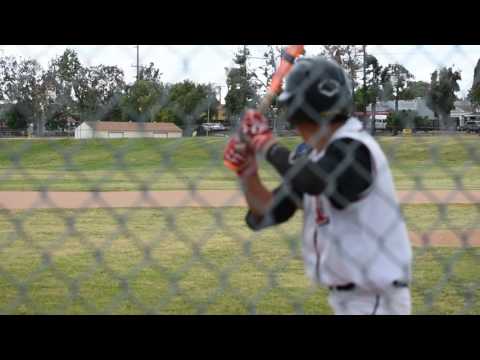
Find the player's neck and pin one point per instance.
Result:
(320, 138)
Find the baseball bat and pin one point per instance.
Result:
(286, 63)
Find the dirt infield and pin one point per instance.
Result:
(466, 238)
(22, 200)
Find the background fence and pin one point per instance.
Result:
(156, 225)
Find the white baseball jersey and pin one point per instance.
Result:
(366, 243)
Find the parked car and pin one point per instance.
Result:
(472, 126)
(210, 129)
(214, 126)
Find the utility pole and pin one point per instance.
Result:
(208, 111)
(137, 65)
(219, 88)
(246, 74)
(138, 62)
(364, 47)
(365, 76)
(245, 54)
(397, 78)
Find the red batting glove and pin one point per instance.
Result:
(256, 132)
(239, 158)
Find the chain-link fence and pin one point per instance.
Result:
(114, 197)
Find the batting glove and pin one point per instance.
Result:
(239, 158)
(256, 132)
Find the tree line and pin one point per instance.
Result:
(372, 82)
(68, 89)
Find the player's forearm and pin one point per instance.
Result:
(258, 197)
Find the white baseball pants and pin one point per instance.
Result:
(394, 301)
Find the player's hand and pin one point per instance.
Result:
(256, 131)
(239, 158)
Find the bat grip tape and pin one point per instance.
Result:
(288, 57)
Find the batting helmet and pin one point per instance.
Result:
(316, 90)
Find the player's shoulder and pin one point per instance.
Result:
(346, 145)
(354, 131)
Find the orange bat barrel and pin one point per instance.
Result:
(288, 59)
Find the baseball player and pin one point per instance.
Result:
(355, 241)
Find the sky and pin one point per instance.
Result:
(207, 63)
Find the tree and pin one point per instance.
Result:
(369, 93)
(185, 104)
(17, 117)
(441, 95)
(406, 119)
(112, 111)
(141, 101)
(189, 104)
(474, 97)
(272, 58)
(21, 82)
(82, 93)
(394, 79)
(62, 80)
(474, 92)
(476, 75)
(107, 81)
(61, 75)
(33, 95)
(415, 89)
(373, 71)
(150, 73)
(8, 74)
(346, 56)
(56, 117)
(167, 114)
(96, 86)
(66, 90)
(241, 84)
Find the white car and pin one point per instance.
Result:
(381, 122)
(214, 126)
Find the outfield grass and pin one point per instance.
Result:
(175, 265)
(432, 162)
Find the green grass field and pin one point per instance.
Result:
(182, 261)
(211, 265)
(431, 162)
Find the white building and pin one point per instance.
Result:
(418, 105)
(111, 129)
(461, 113)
